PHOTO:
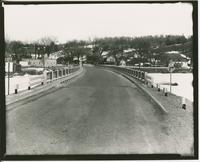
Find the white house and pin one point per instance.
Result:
(104, 54)
(122, 62)
(110, 59)
(56, 55)
(129, 50)
(179, 59)
(24, 63)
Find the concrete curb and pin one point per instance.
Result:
(142, 88)
(27, 94)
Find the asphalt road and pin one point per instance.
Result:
(100, 113)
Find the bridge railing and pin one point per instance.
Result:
(59, 73)
(135, 73)
(48, 76)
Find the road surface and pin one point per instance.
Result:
(99, 113)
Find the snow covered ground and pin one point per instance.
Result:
(32, 68)
(22, 82)
(184, 80)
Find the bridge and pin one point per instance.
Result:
(98, 112)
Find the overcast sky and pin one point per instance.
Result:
(67, 22)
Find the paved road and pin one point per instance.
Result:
(100, 112)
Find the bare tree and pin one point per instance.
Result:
(48, 44)
(47, 40)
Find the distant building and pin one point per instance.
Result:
(75, 58)
(56, 55)
(172, 52)
(39, 62)
(89, 46)
(12, 67)
(122, 62)
(35, 56)
(129, 50)
(179, 60)
(104, 54)
(111, 59)
(84, 58)
(50, 63)
(24, 63)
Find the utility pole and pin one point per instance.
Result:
(171, 68)
(170, 81)
(8, 76)
(68, 67)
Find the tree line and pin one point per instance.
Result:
(145, 47)
(17, 49)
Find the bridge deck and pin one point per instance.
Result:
(100, 112)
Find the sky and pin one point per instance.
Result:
(87, 21)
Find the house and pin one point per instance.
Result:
(12, 67)
(122, 62)
(50, 63)
(179, 60)
(56, 55)
(35, 56)
(89, 46)
(24, 63)
(129, 50)
(39, 62)
(111, 59)
(104, 54)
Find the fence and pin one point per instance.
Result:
(59, 73)
(28, 82)
(140, 75)
(147, 79)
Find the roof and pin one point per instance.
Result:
(172, 52)
(177, 57)
(56, 54)
(104, 53)
(129, 50)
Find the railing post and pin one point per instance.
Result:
(158, 87)
(145, 74)
(16, 88)
(52, 75)
(29, 85)
(66, 69)
(60, 73)
(45, 77)
(165, 91)
(183, 103)
(57, 73)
